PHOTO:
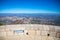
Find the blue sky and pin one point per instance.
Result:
(29, 6)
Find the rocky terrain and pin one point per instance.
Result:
(51, 19)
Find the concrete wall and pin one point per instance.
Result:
(31, 32)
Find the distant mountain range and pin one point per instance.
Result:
(30, 18)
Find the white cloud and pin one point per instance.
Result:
(25, 11)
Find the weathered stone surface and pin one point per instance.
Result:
(31, 32)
